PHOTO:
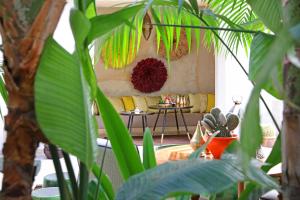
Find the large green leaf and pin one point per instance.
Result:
(260, 47)
(109, 22)
(192, 176)
(121, 141)
(251, 133)
(270, 12)
(80, 27)
(62, 103)
(149, 159)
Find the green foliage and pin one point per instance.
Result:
(149, 159)
(63, 104)
(121, 141)
(103, 182)
(215, 121)
(270, 12)
(111, 21)
(64, 96)
(195, 176)
(3, 90)
(238, 16)
(260, 47)
(251, 133)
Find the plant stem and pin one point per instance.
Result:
(83, 183)
(208, 28)
(101, 168)
(71, 175)
(63, 189)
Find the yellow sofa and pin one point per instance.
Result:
(202, 103)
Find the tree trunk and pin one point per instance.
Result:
(24, 26)
(291, 133)
(291, 113)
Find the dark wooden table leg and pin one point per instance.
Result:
(132, 116)
(183, 119)
(159, 110)
(128, 123)
(146, 121)
(143, 121)
(175, 111)
(163, 126)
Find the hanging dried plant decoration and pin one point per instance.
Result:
(147, 26)
(149, 75)
(180, 48)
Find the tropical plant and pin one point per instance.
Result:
(217, 121)
(61, 103)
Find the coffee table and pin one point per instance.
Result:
(164, 110)
(132, 114)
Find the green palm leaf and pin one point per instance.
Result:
(62, 103)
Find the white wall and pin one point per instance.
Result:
(231, 81)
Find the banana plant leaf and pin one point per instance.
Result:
(194, 176)
(62, 103)
(149, 160)
(122, 144)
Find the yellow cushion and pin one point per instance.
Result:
(140, 103)
(117, 103)
(210, 102)
(128, 103)
(151, 101)
(198, 101)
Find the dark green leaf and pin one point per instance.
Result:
(121, 141)
(62, 103)
(253, 191)
(251, 136)
(270, 12)
(149, 159)
(194, 5)
(194, 176)
(260, 47)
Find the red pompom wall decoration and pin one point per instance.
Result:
(149, 75)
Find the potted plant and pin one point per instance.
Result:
(269, 135)
(216, 121)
